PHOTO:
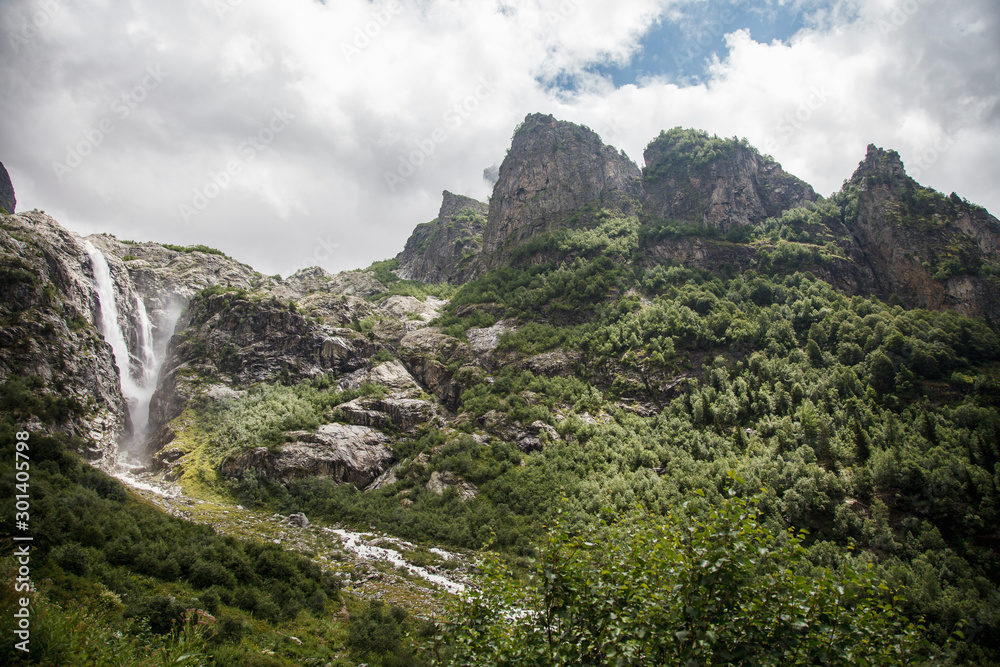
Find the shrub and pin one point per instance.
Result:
(706, 585)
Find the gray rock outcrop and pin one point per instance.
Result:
(554, 171)
(346, 453)
(715, 184)
(443, 250)
(8, 202)
(925, 248)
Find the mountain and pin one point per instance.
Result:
(924, 248)
(440, 251)
(600, 355)
(719, 205)
(553, 177)
(7, 200)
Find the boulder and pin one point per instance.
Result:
(440, 481)
(348, 453)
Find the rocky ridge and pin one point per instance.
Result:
(8, 202)
(728, 185)
(706, 203)
(553, 172)
(929, 250)
(441, 251)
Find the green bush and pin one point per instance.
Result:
(706, 585)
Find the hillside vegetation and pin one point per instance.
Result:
(692, 416)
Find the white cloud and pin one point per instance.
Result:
(435, 87)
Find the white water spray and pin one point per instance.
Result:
(137, 391)
(146, 352)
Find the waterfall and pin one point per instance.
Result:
(137, 391)
(147, 353)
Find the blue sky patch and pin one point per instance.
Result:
(680, 48)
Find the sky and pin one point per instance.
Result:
(303, 133)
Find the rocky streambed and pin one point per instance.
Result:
(371, 565)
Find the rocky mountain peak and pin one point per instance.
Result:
(442, 250)
(7, 199)
(554, 169)
(704, 181)
(451, 204)
(926, 249)
(883, 167)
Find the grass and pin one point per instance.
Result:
(199, 478)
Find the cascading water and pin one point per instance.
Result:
(137, 390)
(150, 365)
(147, 353)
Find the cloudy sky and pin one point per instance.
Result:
(300, 133)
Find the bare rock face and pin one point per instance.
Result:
(345, 452)
(484, 341)
(241, 339)
(440, 481)
(390, 412)
(443, 250)
(50, 307)
(8, 201)
(438, 361)
(390, 374)
(410, 308)
(356, 283)
(337, 310)
(554, 170)
(256, 339)
(715, 183)
(925, 248)
(167, 277)
(301, 283)
(401, 409)
(703, 253)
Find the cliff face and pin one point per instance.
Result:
(713, 183)
(7, 200)
(553, 172)
(167, 278)
(701, 202)
(925, 248)
(232, 339)
(50, 310)
(442, 250)
(55, 335)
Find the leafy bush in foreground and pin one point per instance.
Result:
(705, 585)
